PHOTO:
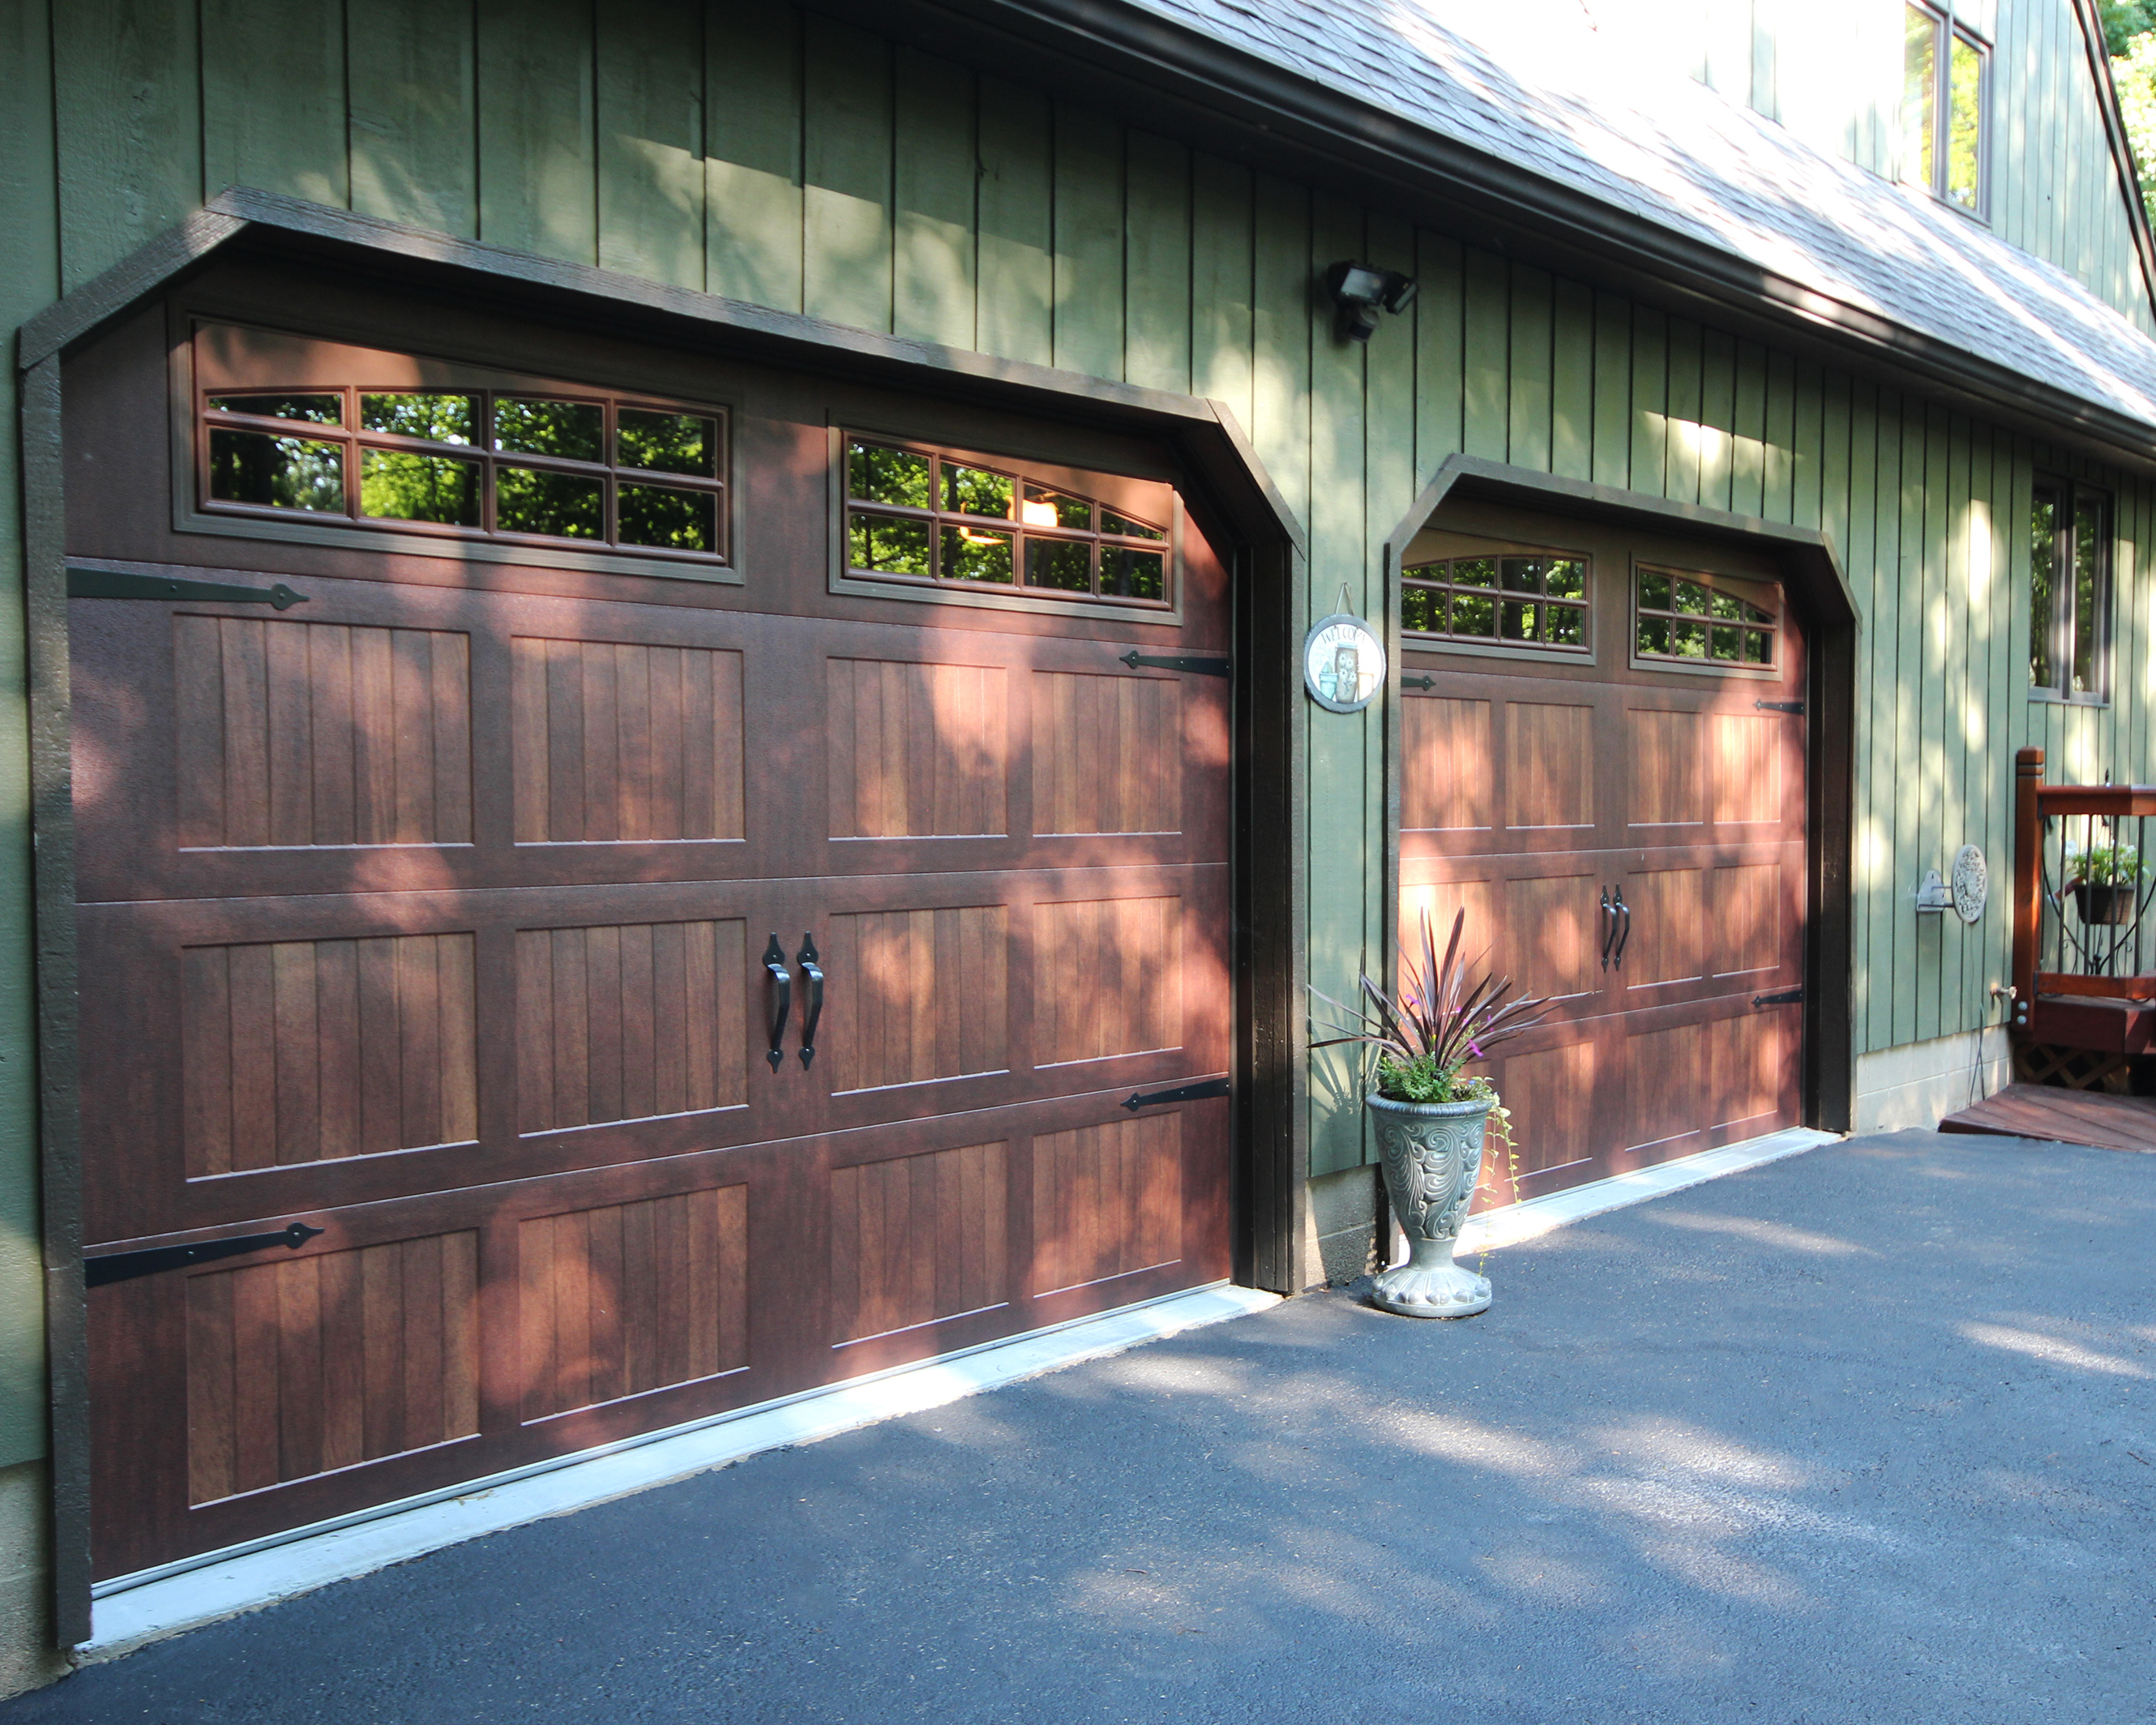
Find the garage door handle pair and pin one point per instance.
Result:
(1616, 933)
(781, 997)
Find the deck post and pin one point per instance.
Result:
(2028, 913)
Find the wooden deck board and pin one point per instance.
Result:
(2064, 1116)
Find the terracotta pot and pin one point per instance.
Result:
(1433, 1158)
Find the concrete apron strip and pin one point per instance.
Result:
(1534, 1217)
(133, 1610)
(130, 1610)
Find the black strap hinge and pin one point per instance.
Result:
(123, 584)
(1204, 665)
(1418, 682)
(125, 1266)
(1205, 1091)
(1780, 707)
(1787, 996)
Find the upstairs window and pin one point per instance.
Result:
(1944, 72)
(2070, 592)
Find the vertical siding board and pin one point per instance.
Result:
(1156, 288)
(1747, 427)
(1280, 416)
(1686, 436)
(1438, 313)
(1610, 461)
(752, 185)
(1528, 429)
(652, 141)
(1907, 688)
(936, 157)
(846, 263)
(1572, 382)
(1220, 262)
(1487, 336)
(1961, 727)
(1717, 417)
(538, 144)
(413, 71)
(1807, 432)
(1337, 790)
(129, 120)
(1089, 242)
(1015, 317)
(273, 99)
(1649, 470)
(1876, 470)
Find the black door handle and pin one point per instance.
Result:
(1624, 938)
(1609, 927)
(774, 961)
(811, 961)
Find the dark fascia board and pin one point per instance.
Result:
(1808, 551)
(1205, 432)
(2122, 145)
(1265, 107)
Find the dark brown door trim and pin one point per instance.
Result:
(1226, 480)
(1818, 587)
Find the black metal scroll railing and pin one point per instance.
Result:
(2084, 886)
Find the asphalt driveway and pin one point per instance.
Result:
(1867, 1434)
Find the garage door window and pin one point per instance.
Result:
(920, 515)
(526, 467)
(1525, 601)
(1694, 621)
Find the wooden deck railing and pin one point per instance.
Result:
(2083, 941)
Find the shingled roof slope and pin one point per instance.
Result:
(1533, 83)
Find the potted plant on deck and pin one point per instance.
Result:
(2105, 878)
(1430, 1119)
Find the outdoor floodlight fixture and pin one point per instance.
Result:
(1361, 291)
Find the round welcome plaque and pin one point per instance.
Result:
(1972, 883)
(1343, 663)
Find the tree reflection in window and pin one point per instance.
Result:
(921, 515)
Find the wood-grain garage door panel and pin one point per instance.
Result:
(300, 1051)
(917, 1239)
(293, 733)
(629, 1021)
(1446, 779)
(928, 996)
(311, 1364)
(1108, 754)
(1107, 1201)
(916, 750)
(1549, 765)
(619, 1300)
(617, 742)
(1107, 979)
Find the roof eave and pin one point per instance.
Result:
(1140, 46)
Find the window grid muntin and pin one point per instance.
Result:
(2072, 575)
(355, 441)
(939, 520)
(1446, 590)
(1749, 620)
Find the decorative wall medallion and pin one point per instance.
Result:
(1343, 663)
(1972, 884)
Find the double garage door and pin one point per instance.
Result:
(683, 904)
(1604, 764)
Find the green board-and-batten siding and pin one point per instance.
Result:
(828, 171)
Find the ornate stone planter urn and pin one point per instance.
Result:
(1433, 1160)
(1420, 1036)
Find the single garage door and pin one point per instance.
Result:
(684, 902)
(1602, 764)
